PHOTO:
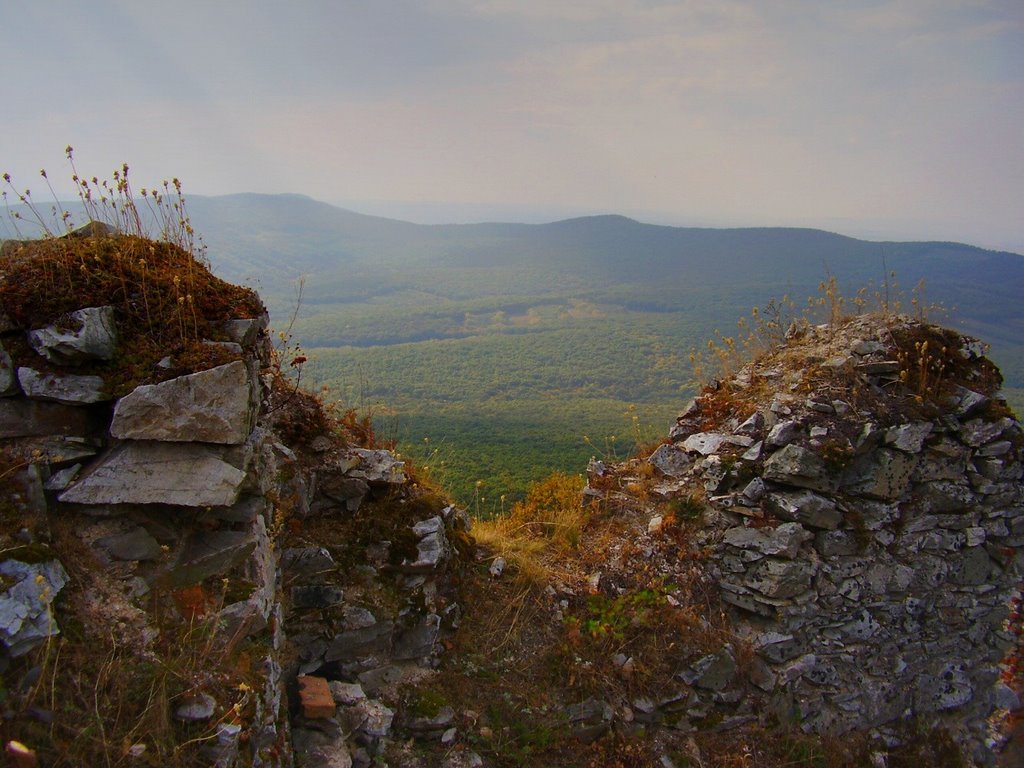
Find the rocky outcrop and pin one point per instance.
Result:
(866, 528)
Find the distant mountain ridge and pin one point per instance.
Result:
(352, 257)
(280, 237)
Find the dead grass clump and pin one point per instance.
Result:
(548, 522)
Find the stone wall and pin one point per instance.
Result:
(185, 506)
(868, 540)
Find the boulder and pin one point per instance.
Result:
(212, 406)
(87, 335)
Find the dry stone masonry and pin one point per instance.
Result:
(866, 535)
(334, 576)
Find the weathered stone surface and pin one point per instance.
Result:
(784, 540)
(245, 331)
(211, 406)
(706, 443)
(715, 671)
(31, 418)
(8, 380)
(370, 717)
(795, 465)
(187, 475)
(209, 553)
(780, 579)
(26, 619)
(783, 433)
(339, 491)
(881, 474)
(377, 467)
(432, 550)
(346, 693)
(135, 544)
(307, 562)
(67, 388)
(418, 642)
(362, 641)
(670, 460)
(805, 507)
(908, 437)
(977, 432)
(89, 334)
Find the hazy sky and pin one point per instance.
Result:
(884, 118)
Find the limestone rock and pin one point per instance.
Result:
(784, 540)
(805, 507)
(715, 671)
(377, 467)
(66, 388)
(908, 437)
(707, 443)
(187, 475)
(370, 717)
(794, 465)
(781, 579)
(670, 460)
(882, 474)
(211, 406)
(89, 334)
(209, 553)
(418, 642)
(26, 619)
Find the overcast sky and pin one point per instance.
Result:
(872, 118)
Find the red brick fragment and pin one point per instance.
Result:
(315, 696)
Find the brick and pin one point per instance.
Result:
(315, 697)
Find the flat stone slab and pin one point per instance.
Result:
(211, 406)
(185, 475)
(67, 388)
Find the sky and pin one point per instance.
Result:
(899, 119)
